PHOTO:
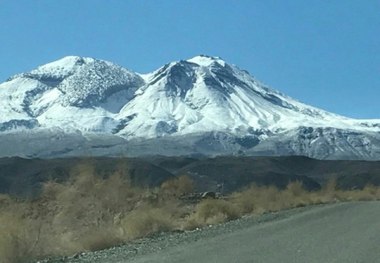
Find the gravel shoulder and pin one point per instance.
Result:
(340, 232)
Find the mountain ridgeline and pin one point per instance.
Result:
(202, 106)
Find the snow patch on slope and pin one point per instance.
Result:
(62, 68)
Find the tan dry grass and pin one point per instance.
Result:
(92, 213)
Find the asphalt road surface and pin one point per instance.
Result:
(345, 232)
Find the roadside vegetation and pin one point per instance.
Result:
(89, 212)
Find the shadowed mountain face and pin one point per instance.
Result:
(200, 106)
(24, 177)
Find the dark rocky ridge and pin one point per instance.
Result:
(24, 177)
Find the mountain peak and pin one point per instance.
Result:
(63, 67)
(206, 61)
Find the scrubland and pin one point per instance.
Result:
(89, 212)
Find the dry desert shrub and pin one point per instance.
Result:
(91, 213)
(13, 245)
(212, 211)
(145, 221)
(257, 199)
(294, 196)
(177, 186)
(85, 210)
(368, 193)
(79, 215)
(100, 238)
(262, 199)
(19, 235)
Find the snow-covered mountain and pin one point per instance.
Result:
(84, 106)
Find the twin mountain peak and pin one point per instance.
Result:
(203, 104)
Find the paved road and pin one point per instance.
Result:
(346, 232)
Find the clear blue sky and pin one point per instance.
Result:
(324, 53)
